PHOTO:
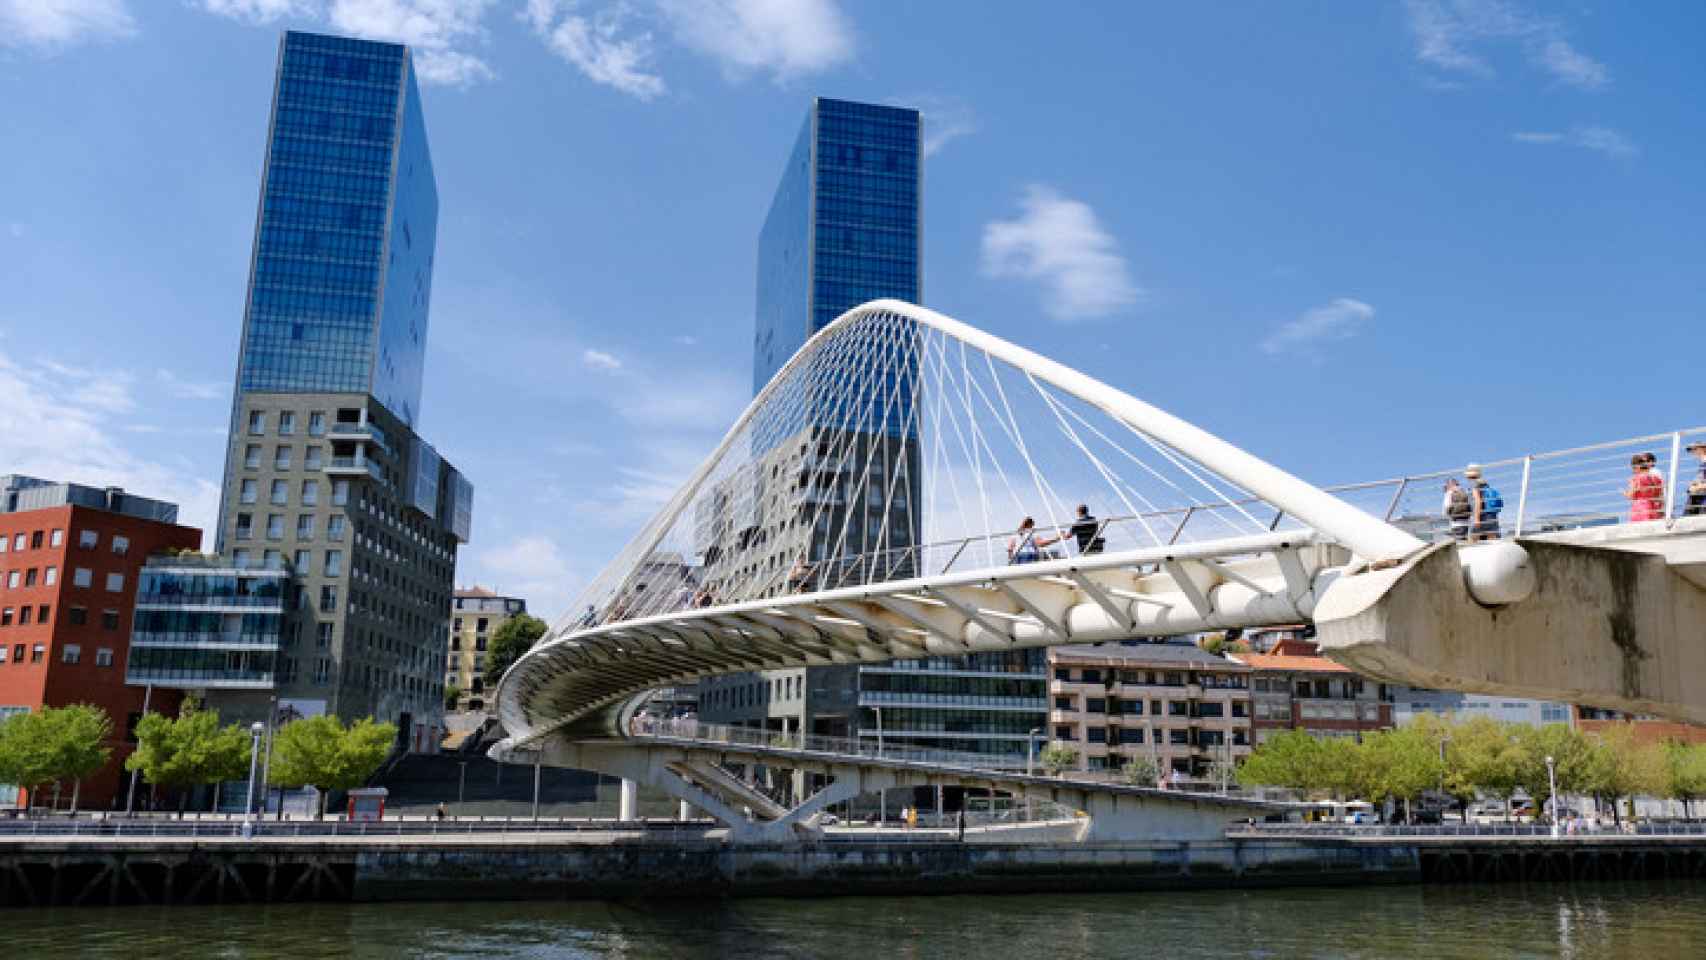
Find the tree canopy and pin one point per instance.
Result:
(53, 745)
(510, 640)
(189, 750)
(321, 752)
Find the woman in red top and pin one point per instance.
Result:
(1645, 490)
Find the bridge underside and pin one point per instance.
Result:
(715, 778)
(1616, 619)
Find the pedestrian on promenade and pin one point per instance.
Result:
(1087, 530)
(1485, 503)
(440, 811)
(1696, 505)
(1457, 508)
(960, 819)
(1645, 490)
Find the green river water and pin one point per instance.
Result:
(1658, 921)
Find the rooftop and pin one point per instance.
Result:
(19, 493)
(1169, 654)
(1292, 656)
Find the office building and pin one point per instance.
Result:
(71, 557)
(844, 228)
(1412, 702)
(476, 614)
(1293, 687)
(326, 472)
(203, 624)
(1176, 706)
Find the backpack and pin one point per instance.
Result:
(1491, 502)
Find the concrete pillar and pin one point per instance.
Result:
(630, 805)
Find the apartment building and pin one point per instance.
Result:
(476, 613)
(1293, 687)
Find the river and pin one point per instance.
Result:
(1659, 921)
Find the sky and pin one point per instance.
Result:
(1355, 239)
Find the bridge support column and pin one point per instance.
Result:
(629, 808)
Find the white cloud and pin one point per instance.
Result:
(261, 11)
(437, 30)
(58, 423)
(787, 38)
(189, 389)
(1341, 319)
(1450, 36)
(691, 401)
(532, 567)
(1060, 242)
(595, 46)
(1600, 139)
(599, 360)
(945, 119)
(51, 25)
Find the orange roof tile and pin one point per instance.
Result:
(1290, 663)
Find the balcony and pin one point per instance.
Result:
(356, 465)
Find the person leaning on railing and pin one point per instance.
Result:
(1696, 504)
(1645, 490)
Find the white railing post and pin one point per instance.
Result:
(1522, 496)
(1397, 496)
(1670, 483)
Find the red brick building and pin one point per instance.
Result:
(1647, 729)
(1293, 687)
(68, 575)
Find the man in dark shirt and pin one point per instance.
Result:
(1087, 531)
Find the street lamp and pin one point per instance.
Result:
(1552, 784)
(255, 731)
(882, 795)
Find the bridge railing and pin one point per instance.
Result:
(690, 729)
(1680, 829)
(1541, 492)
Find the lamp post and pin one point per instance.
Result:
(130, 794)
(1552, 784)
(255, 730)
(1443, 740)
(461, 785)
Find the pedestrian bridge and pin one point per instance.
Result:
(867, 506)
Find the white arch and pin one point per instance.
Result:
(664, 648)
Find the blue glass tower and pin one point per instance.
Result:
(844, 228)
(341, 277)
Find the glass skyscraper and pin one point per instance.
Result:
(844, 228)
(342, 272)
(326, 475)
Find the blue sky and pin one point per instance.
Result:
(1353, 238)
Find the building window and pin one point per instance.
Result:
(286, 424)
(316, 424)
(275, 526)
(322, 670)
(281, 458)
(280, 493)
(36, 540)
(18, 653)
(311, 458)
(77, 616)
(310, 492)
(6, 617)
(115, 583)
(12, 580)
(109, 619)
(303, 562)
(30, 576)
(103, 656)
(272, 559)
(340, 492)
(240, 558)
(37, 653)
(248, 492)
(335, 528)
(480, 642)
(324, 638)
(121, 545)
(328, 599)
(70, 653)
(257, 423)
(305, 526)
(88, 539)
(82, 577)
(334, 563)
(252, 456)
(23, 616)
(245, 526)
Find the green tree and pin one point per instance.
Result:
(189, 750)
(1619, 766)
(1289, 759)
(53, 745)
(452, 696)
(1488, 757)
(510, 640)
(321, 752)
(1056, 757)
(1399, 764)
(1571, 753)
(1139, 772)
(1685, 773)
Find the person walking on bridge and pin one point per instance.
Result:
(1645, 490)
(1486, 503)
(1025, 546)
(1457, 509)
(1696, 505)
(1087, 530)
